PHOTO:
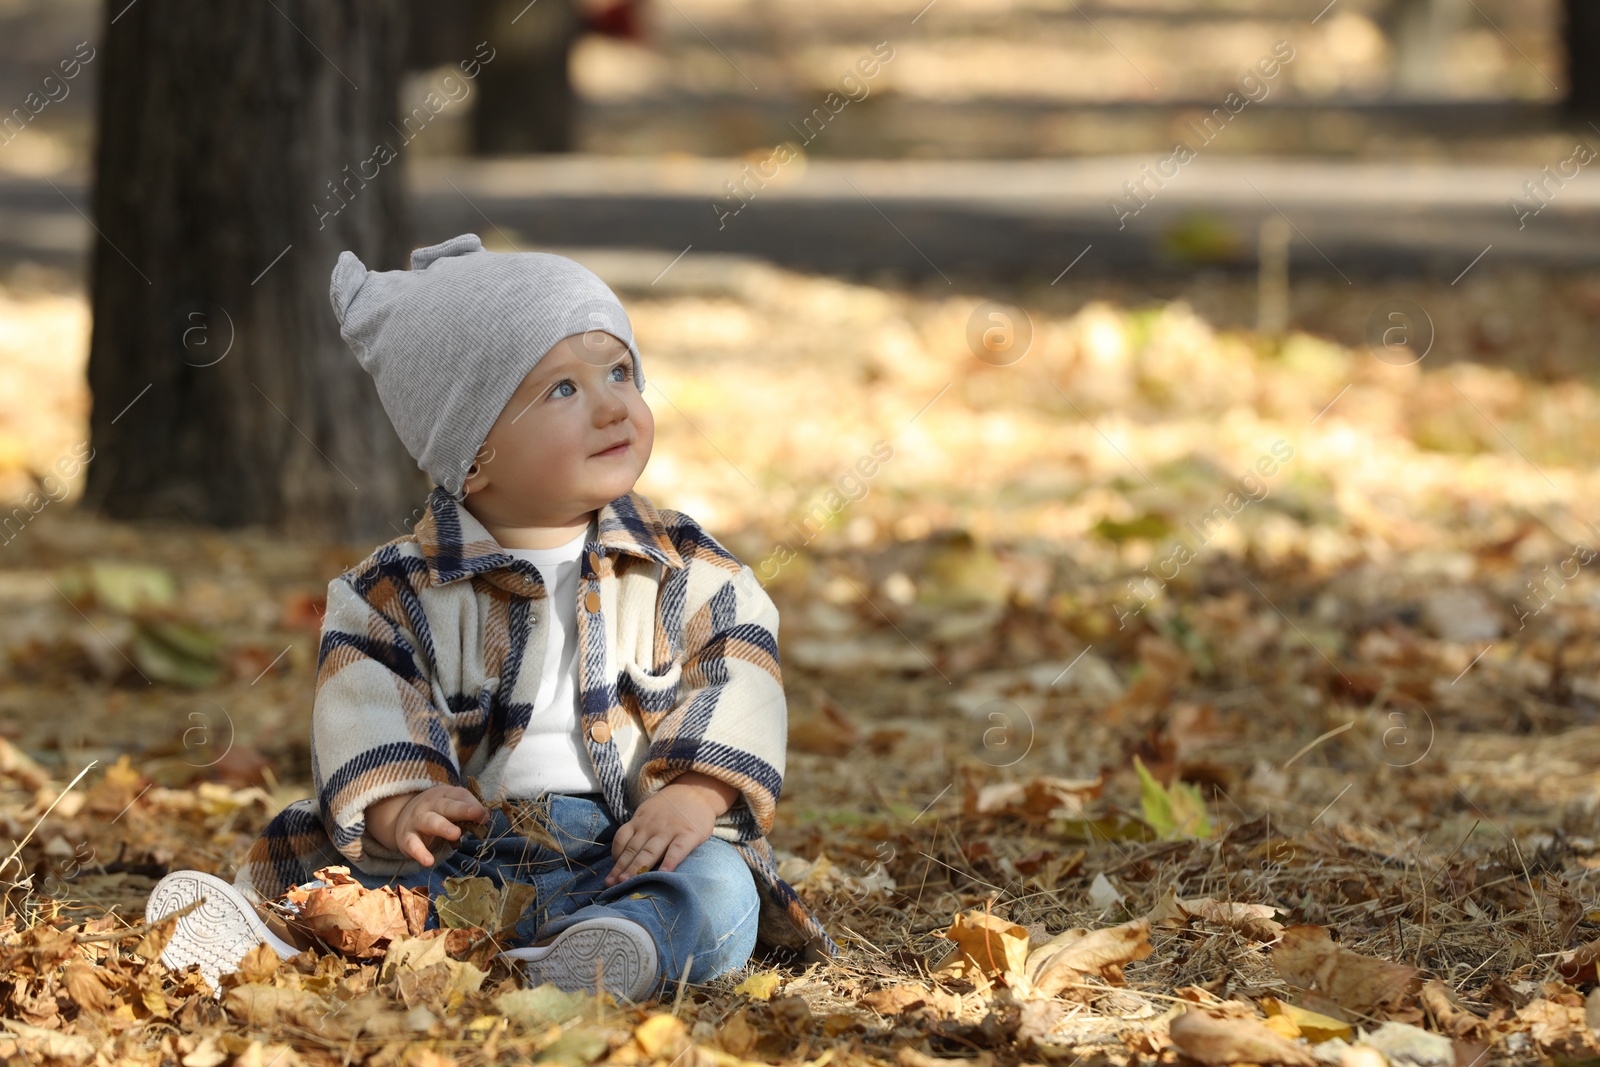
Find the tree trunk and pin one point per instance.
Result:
(1581, 34)
(235, 161)
(527, 103)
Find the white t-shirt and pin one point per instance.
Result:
(552, 756)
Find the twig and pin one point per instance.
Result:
(683, 984)
(139, 931)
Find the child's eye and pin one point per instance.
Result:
(626, 367)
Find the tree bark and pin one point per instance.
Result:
(235, 161)
(1581, 35)
(527, 103)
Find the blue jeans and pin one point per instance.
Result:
(706, 909)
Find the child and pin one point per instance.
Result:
(544, 634)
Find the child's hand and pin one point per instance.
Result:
(669, 825)
(409, 822)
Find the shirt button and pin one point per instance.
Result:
(594, 562)
(592, 602)
(600, 732)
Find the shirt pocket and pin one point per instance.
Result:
(650, 694)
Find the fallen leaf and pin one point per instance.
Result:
(909, 1056)
(1172, 811)
(1449, 1015)
(1067, 958)
(1102, 894)
(899, 999)
(1413, 1045)
(1308, 957)
(41, 1044)
(829, 732)
(1314, 1026)
(265, 1006)
(351, 918)
(85, 987)
(661, 1036)
(208, 1053)
(1252, 920)
(542, 1006)
(760, 986)
(1579, 964)
(1037, 798)
(987, 948)
(1211, 1040)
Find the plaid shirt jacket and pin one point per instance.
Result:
(431, 655)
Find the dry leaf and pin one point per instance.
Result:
(267, 1005)
(155, 939)
(760, 986)
(1579, 964)
(1450, 1016)
(259, 964)
(1308, 957)
(987, 948)
(1252, 920)
(353, 919)
(1066, 959)
(40, 1044)
(1314, 1026)
(908, 1056)
(1037, 798)
(1211, 1040)
(827, 733)
(899, 999)
(85, 988)
(661, 1036)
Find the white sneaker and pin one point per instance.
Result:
(218, 933)
(623, 950)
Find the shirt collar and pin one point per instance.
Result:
(456, 545)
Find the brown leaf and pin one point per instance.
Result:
(1211, 1040)
(155, 939)
(1252, 920)
(266, 1006)
(349, 917)
(85, 988)
(1309, 958)
(899, 999)
(1038, 798)
(1579, 964)
(1067, 958)
(40, 1045)
(1450, 1016)
(987, 948)
(827, 733)
(259, 964)
(908, 1056)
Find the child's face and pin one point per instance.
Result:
(574, 436)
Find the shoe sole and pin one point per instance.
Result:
(218, 933)
(623, 950)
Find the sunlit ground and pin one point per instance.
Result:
(1153, 533)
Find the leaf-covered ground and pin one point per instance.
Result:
(1157, 690)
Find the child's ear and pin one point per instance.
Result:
(477, 477)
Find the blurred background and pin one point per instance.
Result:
(1307, 288)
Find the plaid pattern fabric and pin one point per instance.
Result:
(431, 655)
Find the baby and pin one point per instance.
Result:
(604, 670)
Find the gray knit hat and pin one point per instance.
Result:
(449, 340)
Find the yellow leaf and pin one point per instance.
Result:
(1177, 810)
(660, 1035)
(987, 947)
(760, 986)
(1314, 1026)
